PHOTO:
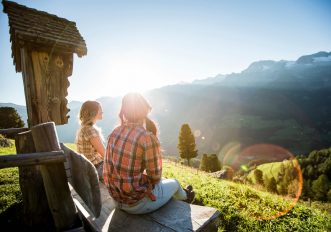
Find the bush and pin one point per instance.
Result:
(210, 163)
(9, 118)
(4, 142)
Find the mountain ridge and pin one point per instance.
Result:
(284, 104)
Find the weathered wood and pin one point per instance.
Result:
(174, 216)
(36, 211)
(45, 77)
(84, 179)
(29, 87)
(28, 159)
(54, 177)
(12, 131)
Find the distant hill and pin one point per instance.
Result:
(285, 103)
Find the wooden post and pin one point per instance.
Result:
(36, 211)
(45, 77)
(55, 181)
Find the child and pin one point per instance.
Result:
(89, 138)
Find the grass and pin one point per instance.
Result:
(270, 169)
(244, 208)
(10, 193)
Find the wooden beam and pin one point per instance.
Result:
(36, 211)
(12, 131)
(28, 159)
(55, 181)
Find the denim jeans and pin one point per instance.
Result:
(164, 191)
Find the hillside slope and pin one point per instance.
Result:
(244, 208)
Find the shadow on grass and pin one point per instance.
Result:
(12, 219)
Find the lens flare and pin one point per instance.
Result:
(197, 133)
(281, 179)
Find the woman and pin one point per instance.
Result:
(133, 163)
(89, 138)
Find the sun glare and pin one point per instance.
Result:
(133, 73)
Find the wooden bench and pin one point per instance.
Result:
(174, 216)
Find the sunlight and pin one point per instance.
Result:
(133, 72)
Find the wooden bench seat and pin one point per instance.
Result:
(174, 216)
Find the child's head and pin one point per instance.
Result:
(90, 112)
(135, 108)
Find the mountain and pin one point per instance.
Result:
(285, 103)
(310, 71)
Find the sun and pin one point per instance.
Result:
(134, 72)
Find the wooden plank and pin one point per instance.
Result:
(100, 223)
(28, 159)
(84, 179)
(174, 216)
(54, 177)
(35, 207)
(12, 131)
(25, 63)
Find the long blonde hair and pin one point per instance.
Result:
(134, 109)
(88, 112)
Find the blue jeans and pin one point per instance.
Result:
(164, 191)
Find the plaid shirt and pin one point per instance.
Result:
(84, 146)
(133, 163)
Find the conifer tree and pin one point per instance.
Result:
(186, 143)
(9, 118)
(321, 187)
(258, 174)
(271, 185)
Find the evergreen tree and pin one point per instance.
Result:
(186, 144)
(271, 185)
(320, 187)
(9, 118)
(258, 174)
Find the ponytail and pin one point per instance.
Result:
(151, 126)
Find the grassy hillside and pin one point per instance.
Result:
(242, 208)
(269, 169)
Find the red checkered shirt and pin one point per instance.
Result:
(133, 163)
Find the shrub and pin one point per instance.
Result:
(210, 163)
(9, 118)
(4, 142)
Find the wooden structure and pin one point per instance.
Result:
(42, 49)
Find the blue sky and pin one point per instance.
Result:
(138, 45)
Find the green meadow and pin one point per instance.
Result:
(241, 207)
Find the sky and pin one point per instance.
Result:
(139, 45)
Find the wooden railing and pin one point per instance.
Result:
(39, 155)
